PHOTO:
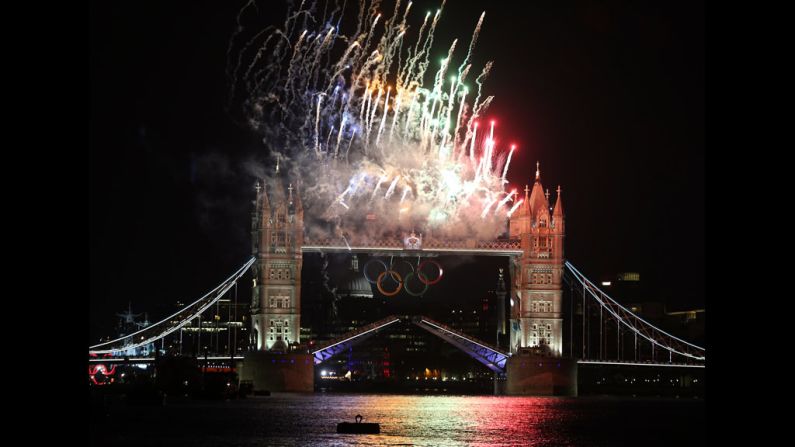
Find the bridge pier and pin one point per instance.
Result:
(500, 384)
(273, 371)
(532, 375)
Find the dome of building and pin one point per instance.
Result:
(354, 283)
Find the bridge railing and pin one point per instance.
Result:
(427, 244)
(463, 335)
(356, 332)
(329, 348)
(489, 355)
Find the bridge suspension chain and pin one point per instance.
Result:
(638, 326)
(182, 317)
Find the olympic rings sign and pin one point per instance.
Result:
(397, 281)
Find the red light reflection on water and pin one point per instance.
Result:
(471, 420)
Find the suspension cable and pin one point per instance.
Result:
(606, 301)
(601, 324)
(219, 291)
(583, 322)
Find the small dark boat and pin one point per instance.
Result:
(359, 427)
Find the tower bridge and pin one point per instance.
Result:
(530, 354)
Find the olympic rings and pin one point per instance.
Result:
(392, 274)
(406, 284)
(424, 279)
(398, 276)
(364, 269)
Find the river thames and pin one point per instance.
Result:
(285, 419)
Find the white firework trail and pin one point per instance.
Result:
(346, 241)
(508, 163)
(514, 207)
(391, 188)
(486, 209)
(504, 201)
(308, 79)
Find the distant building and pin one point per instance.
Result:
(354, 284)
(630, 292)
(689, 323)
(222, 330)
(128, 324)
(625, 288)
(628, 277)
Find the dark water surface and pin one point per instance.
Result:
(311, 420)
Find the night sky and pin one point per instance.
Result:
(608, 96)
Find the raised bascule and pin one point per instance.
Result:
(534, 245)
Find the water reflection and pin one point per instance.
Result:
(311, 419)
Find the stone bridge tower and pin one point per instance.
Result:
(277, 232)
(537, 311)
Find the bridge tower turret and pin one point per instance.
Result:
(277, 238)
(537, 311)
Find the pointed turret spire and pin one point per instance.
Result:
(524, 208)
(538, 201)
(265, 207)
(257, 202)
(558, 206)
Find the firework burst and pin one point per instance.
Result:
(372, 123)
